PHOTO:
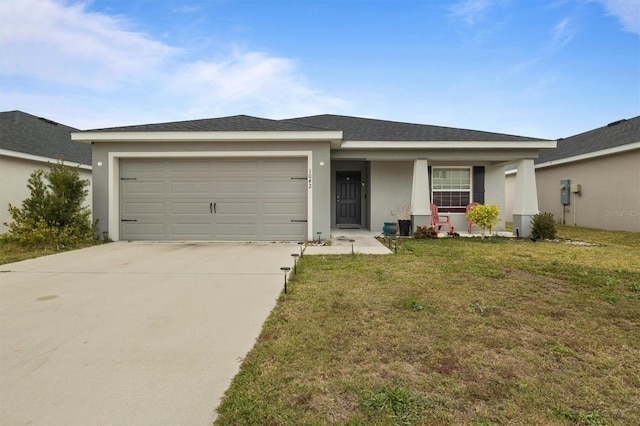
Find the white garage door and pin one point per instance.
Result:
(247, 199)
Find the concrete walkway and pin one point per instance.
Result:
(131, 333)
(343, 241)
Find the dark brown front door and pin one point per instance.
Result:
(348, 198)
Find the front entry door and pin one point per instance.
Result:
(348, 187)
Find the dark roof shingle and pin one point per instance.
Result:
(367, 129)
(28, 134)
(236, 123)
(614, 134)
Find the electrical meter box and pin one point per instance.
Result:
(565, 195)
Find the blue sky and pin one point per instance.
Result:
(538, 68)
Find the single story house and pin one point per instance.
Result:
(591, 179)
(28, 143)
(250, 179)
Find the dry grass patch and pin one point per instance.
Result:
(451, 331)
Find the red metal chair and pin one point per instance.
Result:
(469, 207)
(437, 221)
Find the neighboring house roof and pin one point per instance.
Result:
(367, 129)
(616, 134)
(35, 136)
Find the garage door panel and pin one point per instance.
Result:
(185, 167)
(144, 166)
(143, 188)
(288, 231)
(237, 231)
(237, 188)
(145, 208)
(191, 208)
(190, 231)
(133, 230)
(213, 199)
(234, 208)
(190, 188)
(284, 208)
(284, 166)
(293, 188)
(236, 166)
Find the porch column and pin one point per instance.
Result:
(420, 195)
(525, 205)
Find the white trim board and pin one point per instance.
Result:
(114, 177)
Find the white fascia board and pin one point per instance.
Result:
(31, 157)
(239, 136)
(449, 144)
(594, 154)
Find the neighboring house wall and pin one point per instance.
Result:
(17, 172)
(610, 197)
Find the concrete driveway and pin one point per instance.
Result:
(131, 333)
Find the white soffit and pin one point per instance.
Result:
(448, 144)
(213, 136)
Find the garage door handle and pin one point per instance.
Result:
(211, 207)
(214, 208)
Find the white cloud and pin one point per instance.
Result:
(251, 81)
(469, 11)
(49, 41)
(69, 55)
(627, 12)
(562, 33)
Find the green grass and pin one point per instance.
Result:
(11, 252)
(452, 331)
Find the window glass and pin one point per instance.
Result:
(451, 188)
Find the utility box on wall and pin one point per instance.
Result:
(565, 195)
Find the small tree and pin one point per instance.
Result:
(53, 215)
(486, 216)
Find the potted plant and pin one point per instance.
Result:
(404, 220)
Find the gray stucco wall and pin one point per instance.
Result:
(320, 179)
(610, 196)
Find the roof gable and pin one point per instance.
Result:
(28, 134)
(612, 135)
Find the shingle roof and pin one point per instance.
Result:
(234, 123)
(354, 128)
(367, 129)
(28, 134)
(614, 134)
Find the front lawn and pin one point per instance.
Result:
(12, 252)
(453, 331)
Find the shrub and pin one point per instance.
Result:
(543, 226)
(486, 216)
(53, 216)
(424, 232)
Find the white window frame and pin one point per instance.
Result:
(445, 209)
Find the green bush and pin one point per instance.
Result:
(53, 216)
(543, 226)
(486, 216)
